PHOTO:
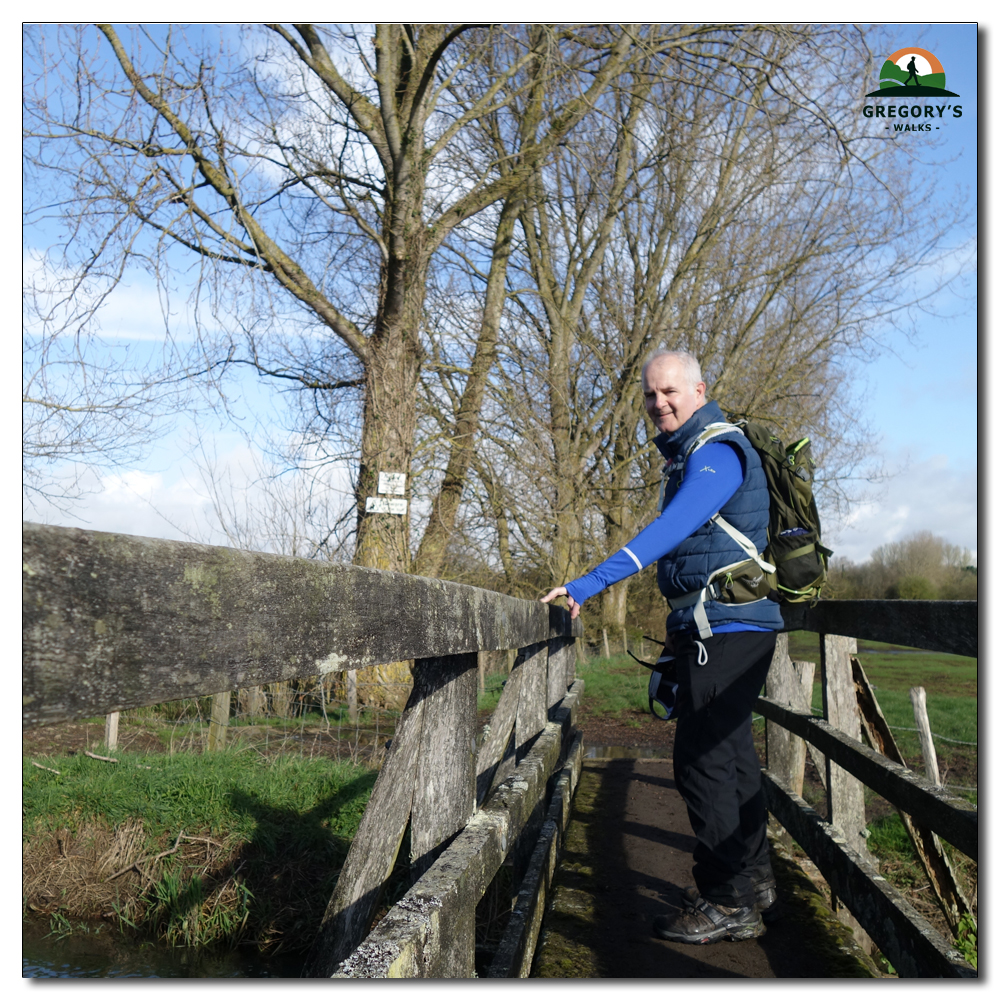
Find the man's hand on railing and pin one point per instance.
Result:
(574, 608)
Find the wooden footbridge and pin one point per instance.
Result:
(113, 622)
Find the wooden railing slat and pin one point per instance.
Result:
(913, 946)
(956, 820)
(373, 851)
(501, 726)
(940, 626)
(426, 934)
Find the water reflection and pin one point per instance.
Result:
(98, 955)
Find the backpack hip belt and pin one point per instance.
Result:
(749, 591)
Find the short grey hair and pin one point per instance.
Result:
(689, 363)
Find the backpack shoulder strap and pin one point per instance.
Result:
(744, 543)
(710, 432)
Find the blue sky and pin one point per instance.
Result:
(922, 402)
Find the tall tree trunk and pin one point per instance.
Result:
(390, 413)
(430, 560)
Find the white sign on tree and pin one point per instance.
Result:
(392, 482)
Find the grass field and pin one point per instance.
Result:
(952, 686)
(618, 684)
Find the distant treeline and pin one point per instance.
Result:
(921, 566)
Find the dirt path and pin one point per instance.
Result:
(627, 858)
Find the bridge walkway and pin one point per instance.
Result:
(627, 858)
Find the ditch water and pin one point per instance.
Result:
(95, 953)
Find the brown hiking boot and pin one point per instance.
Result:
(702, 922)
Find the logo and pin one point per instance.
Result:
(911, 73)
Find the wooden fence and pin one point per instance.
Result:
(112, 622)
(837, 845)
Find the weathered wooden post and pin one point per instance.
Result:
(111, 730)
(918, 698)
(562, 667)
(532, 715)
(789, 683)
(219, 720)
(532, 705)
(845, 793)
(445, 796)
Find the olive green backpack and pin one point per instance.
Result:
(794, 546)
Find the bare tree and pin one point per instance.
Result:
(755, 230)
(315, 167)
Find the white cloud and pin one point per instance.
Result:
(170, 498)
(929, 495)
(132, 502)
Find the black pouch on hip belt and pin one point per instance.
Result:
(662, 684)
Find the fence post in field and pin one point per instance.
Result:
(111, 730)
(219, 721)
(352, 695)
(918, 697)
(926, 843)
(845, 794)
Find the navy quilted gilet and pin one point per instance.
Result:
(689, 565)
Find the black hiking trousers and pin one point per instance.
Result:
(716, 767)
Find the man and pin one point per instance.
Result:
(721, 630)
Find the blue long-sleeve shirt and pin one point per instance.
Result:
(714, 473)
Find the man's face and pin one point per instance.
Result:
(670, 397)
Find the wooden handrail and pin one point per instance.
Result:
(940, 626)
(112, 622)
(863, 899)
(954, 819)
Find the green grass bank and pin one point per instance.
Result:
(192, 849)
